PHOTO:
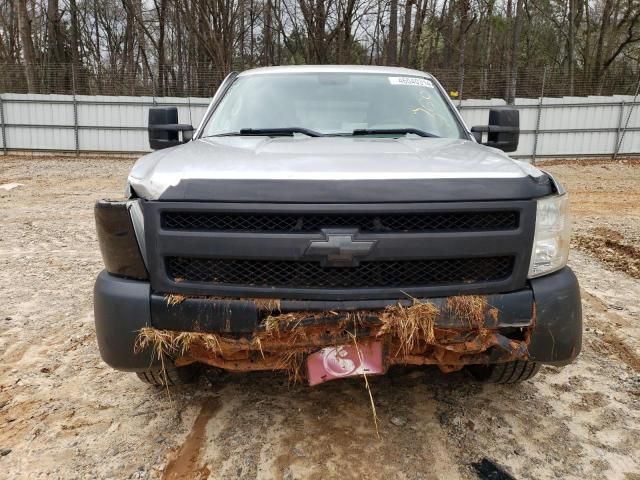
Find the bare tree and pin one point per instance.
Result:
(392, 43)
(24, 26)
(513, 55)
(173, 47)
(406, 34)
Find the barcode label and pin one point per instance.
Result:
(411, 81)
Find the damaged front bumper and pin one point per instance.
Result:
(542, 323)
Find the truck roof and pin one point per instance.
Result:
(334, 69)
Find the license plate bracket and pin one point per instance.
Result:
(344, 361)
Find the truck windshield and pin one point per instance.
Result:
(334, 104)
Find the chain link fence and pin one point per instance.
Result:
(64, 79)
(480, 83)
(201, 80)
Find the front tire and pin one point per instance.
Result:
(509, 372)
(170, 376)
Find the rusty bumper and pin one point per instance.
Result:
(542, 323)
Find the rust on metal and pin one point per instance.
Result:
(410, 335)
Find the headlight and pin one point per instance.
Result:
(551, 240)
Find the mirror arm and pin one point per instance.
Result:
(172, 127)
(494, 129)
(168, 143)
(477, 134)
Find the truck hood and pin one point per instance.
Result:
(322, 169)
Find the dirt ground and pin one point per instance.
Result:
(64, 414)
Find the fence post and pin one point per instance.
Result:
(75, 111)
(536, 133)
(619, 129)
(3, 128)
(626, 124)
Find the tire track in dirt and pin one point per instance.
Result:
(185, 464)
(327, 431)
(266, 428)
(612, 251)
(611, 338)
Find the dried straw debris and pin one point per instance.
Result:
(172, 344)
(292, 362)
(411, 325)
(169, 343)
(472, 308)
(269, 305)
(174, 299)
(291, 320)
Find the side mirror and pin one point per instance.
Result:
(503, 130)
(164, 129)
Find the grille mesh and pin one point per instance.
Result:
(289, 274)
(393, 222)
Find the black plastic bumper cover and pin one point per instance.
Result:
(123, 307)
(557, 335)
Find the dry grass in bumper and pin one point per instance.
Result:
(409, 333)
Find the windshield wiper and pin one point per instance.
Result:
(269, 132)
(393, 131)
(277, 132)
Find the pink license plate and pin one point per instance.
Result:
(344, 361)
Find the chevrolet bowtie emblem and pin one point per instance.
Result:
(339, 249)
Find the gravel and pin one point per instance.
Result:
(64, 414)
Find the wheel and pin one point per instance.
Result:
(510, 372)
(171, 375)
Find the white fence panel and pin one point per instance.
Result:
(569, 126)
(86, 123)
(51, 123)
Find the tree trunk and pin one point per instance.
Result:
(75, 34)
(487, 48)
(416, 36)
(251, 31)
(24, 27)
(504, 62)
(268, 33)
(241, 53)
(278, 46)
(571, 45)
(443, 22)
(462, 42)
(392, 43)
(54, 53)
(127, 54)
(179, 59)
(320, 51)
(602, 34)
(406, 35)
(161, 48)
(514, 56)
(449, 36)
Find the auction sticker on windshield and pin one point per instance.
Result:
(411, 81)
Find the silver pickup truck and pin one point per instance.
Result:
(331, 221)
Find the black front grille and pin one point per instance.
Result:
(291, 274)
(390, 222)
